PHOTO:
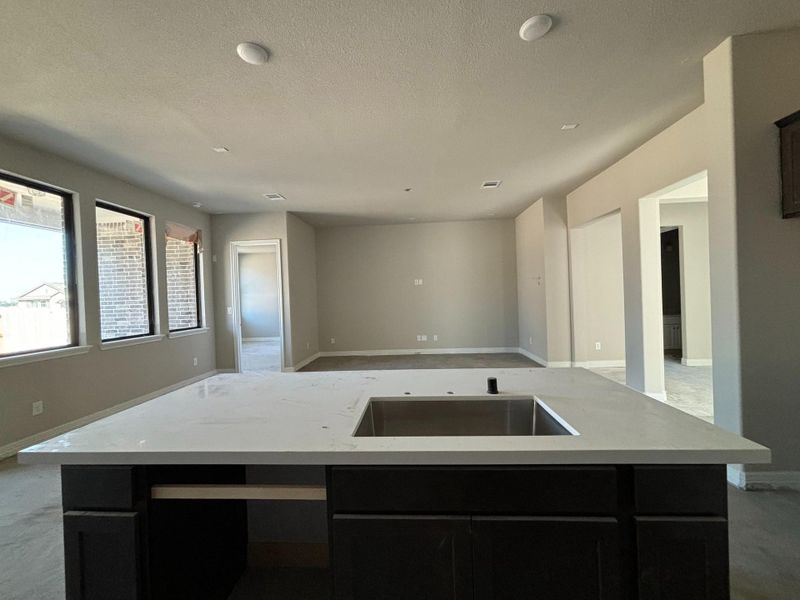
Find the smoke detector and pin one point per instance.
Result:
(490, 185)
(536, 27)
(252, 54)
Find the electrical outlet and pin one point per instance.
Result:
(530, 341)
(333, 340)
(435, 338)
(598, 346)
(422, 338)
(418, 282)
(37, 407)
(230, 310)
(194, 361)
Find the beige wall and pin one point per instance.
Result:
(78, 386)
(597, 292)
(677, 153)
(543, 282)
(368, 301)
(752, 82)
(302, 281)
(691, 219)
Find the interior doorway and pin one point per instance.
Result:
(258, 306)
(671, 293)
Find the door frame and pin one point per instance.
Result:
(236, 246)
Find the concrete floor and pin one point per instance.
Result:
(261, 356)
(688, 388)
(764, 545)
(420, 361)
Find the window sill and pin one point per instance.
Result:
(22, 359)
(145, 339)
(180, 334)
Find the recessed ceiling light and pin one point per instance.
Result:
(407, 190)
(490, 185)
(535, 27)
(220, 149)
(252, 54)
(569, 126)
(274, 197)
(197, 204)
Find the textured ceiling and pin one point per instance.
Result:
(361, 98)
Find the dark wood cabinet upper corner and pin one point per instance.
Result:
(790, 164)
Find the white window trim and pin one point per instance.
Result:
(144, 339)
(187, 332)
(32, 357)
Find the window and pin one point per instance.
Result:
(183, 277)
(37, 268)
(124, 271)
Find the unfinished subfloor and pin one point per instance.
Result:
(689, 389)
(421, 361)
(261, 356)
(764, 544)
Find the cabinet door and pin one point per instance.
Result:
(401, 557)
(544, 557)
(102, 553)
(683, 558)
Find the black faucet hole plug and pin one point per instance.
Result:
(491, 384)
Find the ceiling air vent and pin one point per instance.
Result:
(274, 197)
(489, 185)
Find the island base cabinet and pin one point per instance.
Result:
(399, 557)
(542, 557)
(103, 556)
(682, 558)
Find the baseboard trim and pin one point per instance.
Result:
(14, 447)
(696, 362)
(261, 339)
(405, 351)
(287, 554)
(302, 363)
(763, 480)
(543, 362)
(593, 364)
(660, 396)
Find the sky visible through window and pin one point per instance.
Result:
(29, 257)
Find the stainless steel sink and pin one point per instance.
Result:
(457, 416)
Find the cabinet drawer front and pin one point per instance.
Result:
(546, 557)
(682, 558)
(681, 490)
(100, 487)
(394, 557)
(102, 553)
(567, 490)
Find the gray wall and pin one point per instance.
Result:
(368, 301)
(302, 281)
(543, 281)
(258, 295)
(77, 386)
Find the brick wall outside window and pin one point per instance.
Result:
(123, 280)
(181, 285)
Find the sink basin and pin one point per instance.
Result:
(458, 416)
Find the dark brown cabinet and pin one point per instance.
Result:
(546, 557)
(399, 557)
(790, 164)
(103, 556)
(682, 558)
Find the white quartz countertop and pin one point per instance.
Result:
(309, 418)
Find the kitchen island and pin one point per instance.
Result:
(610, 495)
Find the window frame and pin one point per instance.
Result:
(149, 270)
(70, 259)
(198, 288)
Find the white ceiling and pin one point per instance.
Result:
(361, 98)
